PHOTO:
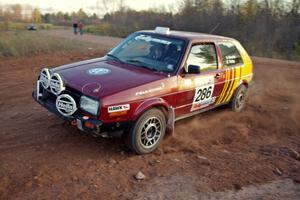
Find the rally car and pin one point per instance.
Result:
(146, 83)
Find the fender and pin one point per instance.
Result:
(148, 104)
(242, 82)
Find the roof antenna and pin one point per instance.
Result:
(216, 26)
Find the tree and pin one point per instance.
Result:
(295, 7)
(1, 14)
(36, 16)
(81, 14)
(249, 9)
(46, 18)
(16, 12)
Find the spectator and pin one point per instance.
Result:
(75, 26)
(80, 26)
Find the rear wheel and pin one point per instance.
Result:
(147, 132)
(239, 99)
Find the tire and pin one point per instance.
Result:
(239, 99)
(147, 132)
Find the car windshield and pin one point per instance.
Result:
(150, 51)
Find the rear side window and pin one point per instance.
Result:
(203, 55)
(230, 54)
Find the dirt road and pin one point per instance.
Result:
(216, 155)
(104, 41)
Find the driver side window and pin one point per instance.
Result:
(203, 55)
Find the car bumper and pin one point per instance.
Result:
(83, 122)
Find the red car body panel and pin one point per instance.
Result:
(120, 78)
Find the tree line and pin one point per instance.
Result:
(30, 14)
(265, 27)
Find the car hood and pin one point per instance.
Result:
(102, 76)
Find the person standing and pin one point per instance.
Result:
(80, 26)
(75, 26)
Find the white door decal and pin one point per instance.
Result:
(203, 93)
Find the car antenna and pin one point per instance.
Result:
(216, 26)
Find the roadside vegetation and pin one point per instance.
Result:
(268, 28)
(23, 43)
(18, 26)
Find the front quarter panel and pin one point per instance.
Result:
(139, 99)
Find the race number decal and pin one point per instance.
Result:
(203, 93)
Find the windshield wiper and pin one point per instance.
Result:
(141, 64)
(115, 57)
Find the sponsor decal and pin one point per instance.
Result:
(203, 93)
(148, 38)
(118, 108)
(98, 71)
(144, 92)
(65, 105)
(94, 87)
(230, 59)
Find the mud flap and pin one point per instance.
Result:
(171, 120)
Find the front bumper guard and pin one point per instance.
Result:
(79, 120)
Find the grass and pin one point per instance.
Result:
(26, 43)
(109, 30)
(18, 26)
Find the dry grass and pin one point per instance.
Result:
(25, 43)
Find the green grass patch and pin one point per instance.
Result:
(109, 30)
(19, 26)
(26, 43)
(12, 26)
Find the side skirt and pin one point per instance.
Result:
(200, 111)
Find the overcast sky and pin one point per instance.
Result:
(74, 5)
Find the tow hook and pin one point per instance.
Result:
(74, 122)
(78, 123)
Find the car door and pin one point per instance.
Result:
(233, 66)
(199, 91)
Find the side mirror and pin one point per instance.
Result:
(193, 69)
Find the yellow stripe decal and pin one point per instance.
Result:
(230, 82)
(228, 72)
(233, 82)
(222, 93)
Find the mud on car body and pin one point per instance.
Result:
(146, 83)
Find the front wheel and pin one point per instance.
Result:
(239, 99)
(147, 132)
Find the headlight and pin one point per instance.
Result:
(89, 105)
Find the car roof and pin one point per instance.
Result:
(191, 36)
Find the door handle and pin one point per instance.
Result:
(218, 75)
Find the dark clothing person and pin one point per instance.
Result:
(75, 26)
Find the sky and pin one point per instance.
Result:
(88, 5)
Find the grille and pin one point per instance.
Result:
(51, 98)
